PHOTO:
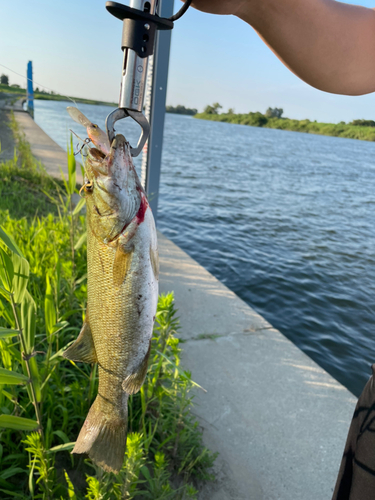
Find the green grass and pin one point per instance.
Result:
(6, 89)
(44, 398)
(25, 188)
(259, 120)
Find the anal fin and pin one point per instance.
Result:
(133, 382)
(83, 348)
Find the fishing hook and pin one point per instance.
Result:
(86, 142)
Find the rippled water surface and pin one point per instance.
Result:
(284, 219)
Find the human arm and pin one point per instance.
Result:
(330, 45)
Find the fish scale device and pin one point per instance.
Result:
(122, 252)
(138, 35)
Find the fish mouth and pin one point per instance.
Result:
(111, 164)
(97, 154)
(119, 158)
(119, 142)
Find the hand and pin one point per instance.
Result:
(224, 7)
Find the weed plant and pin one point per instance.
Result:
(44, 398)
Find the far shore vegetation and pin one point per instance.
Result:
(272, 118)
(181, 110)
(17, 91)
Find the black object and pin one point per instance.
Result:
(181, 12)
(356, 478)
(139, 27)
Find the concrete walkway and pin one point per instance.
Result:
(43, 147)
(278, 420)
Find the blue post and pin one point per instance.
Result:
(30, 90)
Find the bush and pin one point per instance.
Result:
(257, 119)
(362, 123)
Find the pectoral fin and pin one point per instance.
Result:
(121, 265)
(154, 258)
(133, 382)
(83, 348)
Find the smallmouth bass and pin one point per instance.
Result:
(122, 291)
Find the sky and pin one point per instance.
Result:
(75, 49)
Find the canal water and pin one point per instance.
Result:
(284, 219)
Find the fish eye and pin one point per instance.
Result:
(88, 187)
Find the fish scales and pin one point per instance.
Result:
(122, 267)
(117, 317)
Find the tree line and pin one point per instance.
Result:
(181, 110)
(273, 118)
(259, 119)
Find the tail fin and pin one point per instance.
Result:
(103, 437)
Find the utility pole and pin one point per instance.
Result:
(30, 90)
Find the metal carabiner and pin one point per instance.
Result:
(138, 117)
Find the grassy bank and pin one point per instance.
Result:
(259, 120)
(45, 96)
(44, 398)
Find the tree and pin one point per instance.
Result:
(363, 123)
(274, 112)
(4, 79)
(214, 109)
(216, 106)
(231, 111)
